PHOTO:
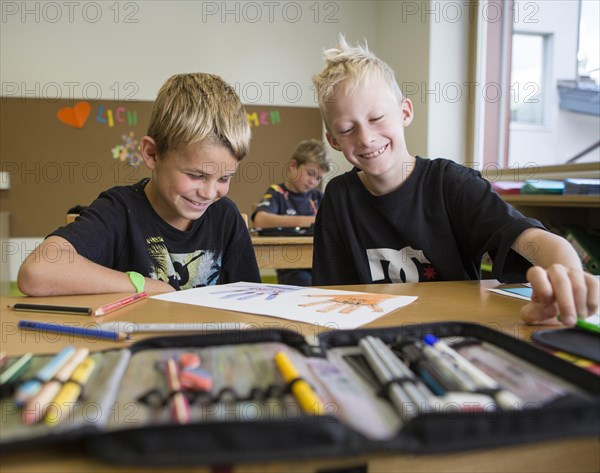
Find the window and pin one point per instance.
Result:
(588, 54)
(542, 55)
(528, 70)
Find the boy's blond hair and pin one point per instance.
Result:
(353, 66)
(194, 107)
(311, 151)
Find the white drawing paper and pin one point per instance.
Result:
(329, 308)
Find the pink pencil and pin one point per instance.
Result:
(105, 309)
(180, 408)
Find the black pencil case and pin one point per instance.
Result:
(249, 414)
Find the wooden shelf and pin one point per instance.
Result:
(561, 210)
(551, 200)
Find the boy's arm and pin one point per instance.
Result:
(55, 268)
(560, 286)
(265, 219)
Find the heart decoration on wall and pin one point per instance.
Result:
(75, 116)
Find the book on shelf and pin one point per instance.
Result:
(507, 187)
(542, 186)
(587, 245)
(582, 186)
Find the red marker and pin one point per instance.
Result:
(105, 309)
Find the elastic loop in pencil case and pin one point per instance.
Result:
(384, 390)
(153, 398)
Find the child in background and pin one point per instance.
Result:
(402, 218)
(294, 203)
(175, 230)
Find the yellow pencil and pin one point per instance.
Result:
(69, 393)
(301, 390)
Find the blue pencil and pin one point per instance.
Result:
(71, 330)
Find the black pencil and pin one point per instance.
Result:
(55, 309)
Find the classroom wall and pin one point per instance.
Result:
(267, 50)
(402, 41)
(446, 95)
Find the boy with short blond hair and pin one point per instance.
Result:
(402, 218)
(294, 203)
(175, 230)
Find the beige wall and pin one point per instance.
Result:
(267, 50)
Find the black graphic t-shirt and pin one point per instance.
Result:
(121, 230)
(435, 227)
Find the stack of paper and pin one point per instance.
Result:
(582, 186)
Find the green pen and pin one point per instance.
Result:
(588, 326)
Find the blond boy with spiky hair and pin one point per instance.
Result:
(401, 218)
(175, 230)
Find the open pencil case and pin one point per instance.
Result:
(249, 414)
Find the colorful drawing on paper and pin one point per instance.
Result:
(349, 303)
(249, 292)
(290, 302)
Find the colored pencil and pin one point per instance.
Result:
(70, 330)
(52, 309)
(105, 309)
(180, 407)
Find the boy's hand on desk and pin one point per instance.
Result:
(570, 292)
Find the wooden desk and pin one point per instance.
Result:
(283, 252)
(438, 301)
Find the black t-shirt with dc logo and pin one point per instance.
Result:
(435, 227)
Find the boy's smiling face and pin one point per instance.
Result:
(367, 125)
(186, 182)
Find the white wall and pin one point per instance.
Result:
(268, 50)
(447, 96)
(403, 42)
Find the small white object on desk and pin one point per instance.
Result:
(131, 327)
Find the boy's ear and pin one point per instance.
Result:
(332, 141)
(407, 112)
(149, 152)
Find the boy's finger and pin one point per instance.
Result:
(580, 294)
(542, 288)
(537, 313)
(593, 293)
(563, 293)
